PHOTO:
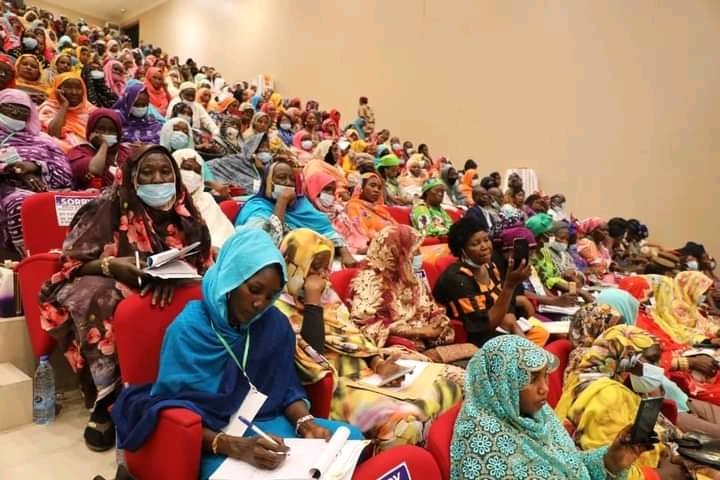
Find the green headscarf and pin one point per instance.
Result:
(539, 224)
(388, 161)
(431, 183)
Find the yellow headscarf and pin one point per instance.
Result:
(299, 248)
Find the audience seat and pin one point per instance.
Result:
(173, 450)
(33, 272)
(439, 438)
(231, 209)
(455, 213)
(400, 214)
(418, 464)
(561, 349)
(340, 281)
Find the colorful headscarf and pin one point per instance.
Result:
(159, 97)
(431, 183)
(38, 85)
(299, 248)
(32, 126)
(76, 117)
(116, 82)
(589, 225)
(621, 301)
(539, 224)
(10, 83)
(508, 236)
(388, 161)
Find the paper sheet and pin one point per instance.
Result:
(418, 368)
(559, 310)
(560, 327)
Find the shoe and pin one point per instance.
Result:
(99, 437)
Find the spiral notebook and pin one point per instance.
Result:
(308, 459)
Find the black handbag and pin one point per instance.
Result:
(700, 448)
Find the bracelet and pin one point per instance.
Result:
(215, 442)
(301, 421)
(105, 266)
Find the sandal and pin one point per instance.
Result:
(99, 437)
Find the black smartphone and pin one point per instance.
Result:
(644, 427)
(521, 251)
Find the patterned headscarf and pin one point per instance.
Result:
(492, 439)
(589, 225)
(299, 248)
(621, 301)
(616, 351)
(391, 252)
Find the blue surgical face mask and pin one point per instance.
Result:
(650, 380)
(30, 43)
(179, 140)
(279, 189)
(265, 157)
(692, 265)
(558, 246)
(470, 263)
(110, 139)
(138, 112)
(157, 195)
(12, 124)
(417, 262)
(97, 74)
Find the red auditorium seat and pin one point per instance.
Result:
(231, 209)
(561, 349)
(414, 461)
(173, 450)
(400, 214)
(439, 438)
(33, 271)
(340, 282)
(455, 213)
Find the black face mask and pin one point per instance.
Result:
(330, 158)
(451, 181)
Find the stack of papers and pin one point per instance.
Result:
(169, 265)
(558, 310)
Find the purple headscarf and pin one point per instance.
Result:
(145, 129)
(509, 235)
(11, 95)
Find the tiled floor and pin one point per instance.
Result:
(55, 451)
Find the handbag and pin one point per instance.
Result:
(700, 448)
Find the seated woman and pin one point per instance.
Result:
(326, 160)
(156, 90)
(97, 90)
(62, 63)
(200, 118)
(32, 163)
(302, 147)
(29, 78)
(320, 190)
(367, 207)
(557, 268)
(482, 209)
(280, 207)
(147, 212)
(473, 291)
(428, 216)
(590, 247)
(329, 342)
(466, 185)
(505, 428)
(192, 168)
(217, 350)
(453, 196)
(389, 169)
(260, 123)
(415, 175)
(244, 168)
(138, 124)
(65, 113)
(115, 77)
(229, 140)
(596, 409)
(95, 163)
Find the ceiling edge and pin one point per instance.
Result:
(132, 17)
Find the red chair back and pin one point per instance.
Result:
(439, 438)
(414, 461)
(39, 216)
(340, 282)
(139, 330)
(231, 209)
(561, 349)
(33, 271)
(436, 268)
(455, 213)
(400, 214)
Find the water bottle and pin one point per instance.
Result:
(44, 393)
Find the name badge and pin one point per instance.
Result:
(8, 155)
(249, 408)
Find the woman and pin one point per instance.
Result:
(594, 231)
(155, 87)
(62, 63)
(192, 170)
(217, 350)
(367, 207)
(226, 108)
(329, 343)
(326, 160)
(280, 207)
(244, 168)
(389, 169)
(204, 98)
(466, 185)
(259, 124)
(138, 124)
(97, 90)
(200, 118)
(29, 73)
(229, 140)
(147, 212)
(472, 290)
(95, 163)
(412, 180)
(64, 115)
(302, 147)
(595, 410)
(37, 164)
(115, 77)
(285, 129)
(505, 429)
(176, 134)
(321, 189)
(311, 126)
(428, 216)
(562, 269)
(29, 45)
(454, 197)
(388, 299)
(7, 72)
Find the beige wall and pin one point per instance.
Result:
(614, 102)
(63, 11)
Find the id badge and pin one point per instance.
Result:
(8, 155)
(256, 186)
(249, 408)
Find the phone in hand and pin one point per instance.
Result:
(643, 429)
(521, 251)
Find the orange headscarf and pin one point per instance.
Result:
(159, 97)
(370, 218)
(222, 105)
(76, 118)
(466, 186)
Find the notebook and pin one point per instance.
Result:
(308, 459)
(169, 265)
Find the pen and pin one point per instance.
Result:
(261, 434)
(137, 264)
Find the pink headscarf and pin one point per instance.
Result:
(114, 81)
(314, 184)
(11, 95)
(297, 139)
(589, 225)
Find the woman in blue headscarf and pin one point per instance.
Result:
(505, 428)
(217, 350)
(280, 207)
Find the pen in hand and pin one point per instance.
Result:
(137, 265)
(263, 435)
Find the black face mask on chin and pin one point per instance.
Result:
(452, 181)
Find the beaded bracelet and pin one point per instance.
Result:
(215, 442)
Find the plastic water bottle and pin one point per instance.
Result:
(44, 393)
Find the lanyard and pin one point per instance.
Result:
(2, 144)
(242, 366)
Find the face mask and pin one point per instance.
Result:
(396, 146)
(475, 183)
(178, 140)
(192, 180)
(232, 132)
(279, 189)
(650, 380)
(97, 74)
(138, 112)
(156, 195)
(326, 200)
(286, 126)
(470, 263)
(417, 262)
(30, 43)
(409, 151)
(451, 181)
(265, 157)
(11, 124)
(186, 118)
(692, 265)
(306, 144)
(343, 144)
(558, 246)
(110, 139)
(557, 208)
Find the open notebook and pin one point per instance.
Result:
(308, 459)
(169, 265)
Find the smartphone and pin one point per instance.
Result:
(644, 427)
(401, 373)
(572, 288)
(521, 251)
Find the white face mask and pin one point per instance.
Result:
(692, 265)
(178, 140)
(278, 190)
(343, 144)
(558, 246)
(186, 118)
(138, 112)
(326, 199)
(192, 180)
(232, 132)
(286, 126)
(409, 151)
(12, 124)
(417, 262)
(396, 146)
(97, 74)
(110, 139)
(650, 380)
(306, 144)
